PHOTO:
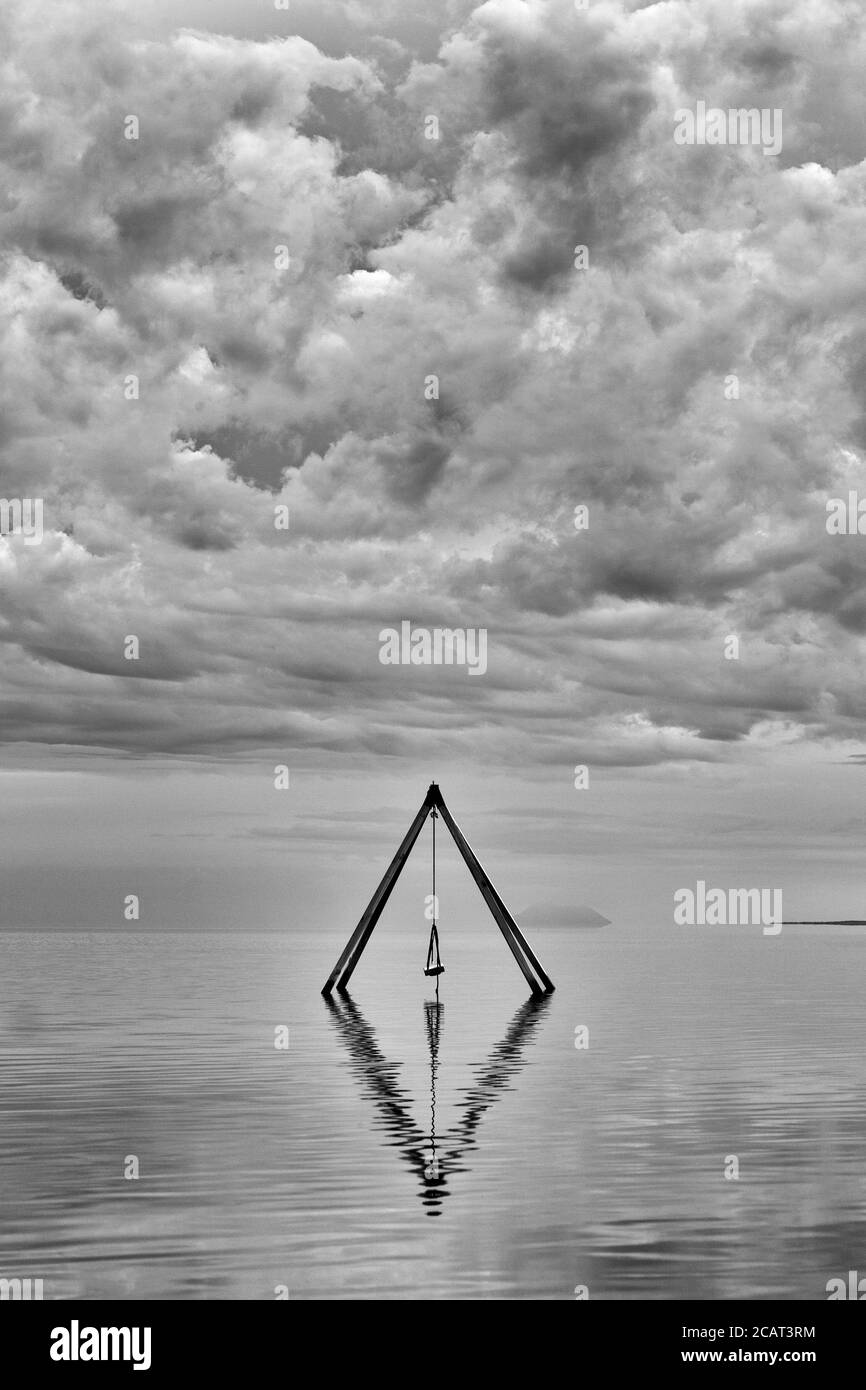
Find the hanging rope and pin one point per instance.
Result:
(434, 818)
(434, 964)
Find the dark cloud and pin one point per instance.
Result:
(303, 385)
(80, 288)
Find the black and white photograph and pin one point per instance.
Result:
(432, 703)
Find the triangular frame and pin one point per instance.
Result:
(539, 982)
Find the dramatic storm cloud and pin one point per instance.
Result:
(241, 309)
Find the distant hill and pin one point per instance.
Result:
(561, 915)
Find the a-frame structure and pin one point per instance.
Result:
(539, 983)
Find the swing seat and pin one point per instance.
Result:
(434, 964)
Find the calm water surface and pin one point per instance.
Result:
(404, 1148)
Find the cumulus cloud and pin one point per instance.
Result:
(282, 259)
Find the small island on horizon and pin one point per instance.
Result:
(562, 915)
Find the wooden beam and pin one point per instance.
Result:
(464, 847)
(361, 935)
(513, 936)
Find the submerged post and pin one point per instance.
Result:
(514, 938)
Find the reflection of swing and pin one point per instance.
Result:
(431, 968)
(433, 1016)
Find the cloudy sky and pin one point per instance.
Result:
(258, 386)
